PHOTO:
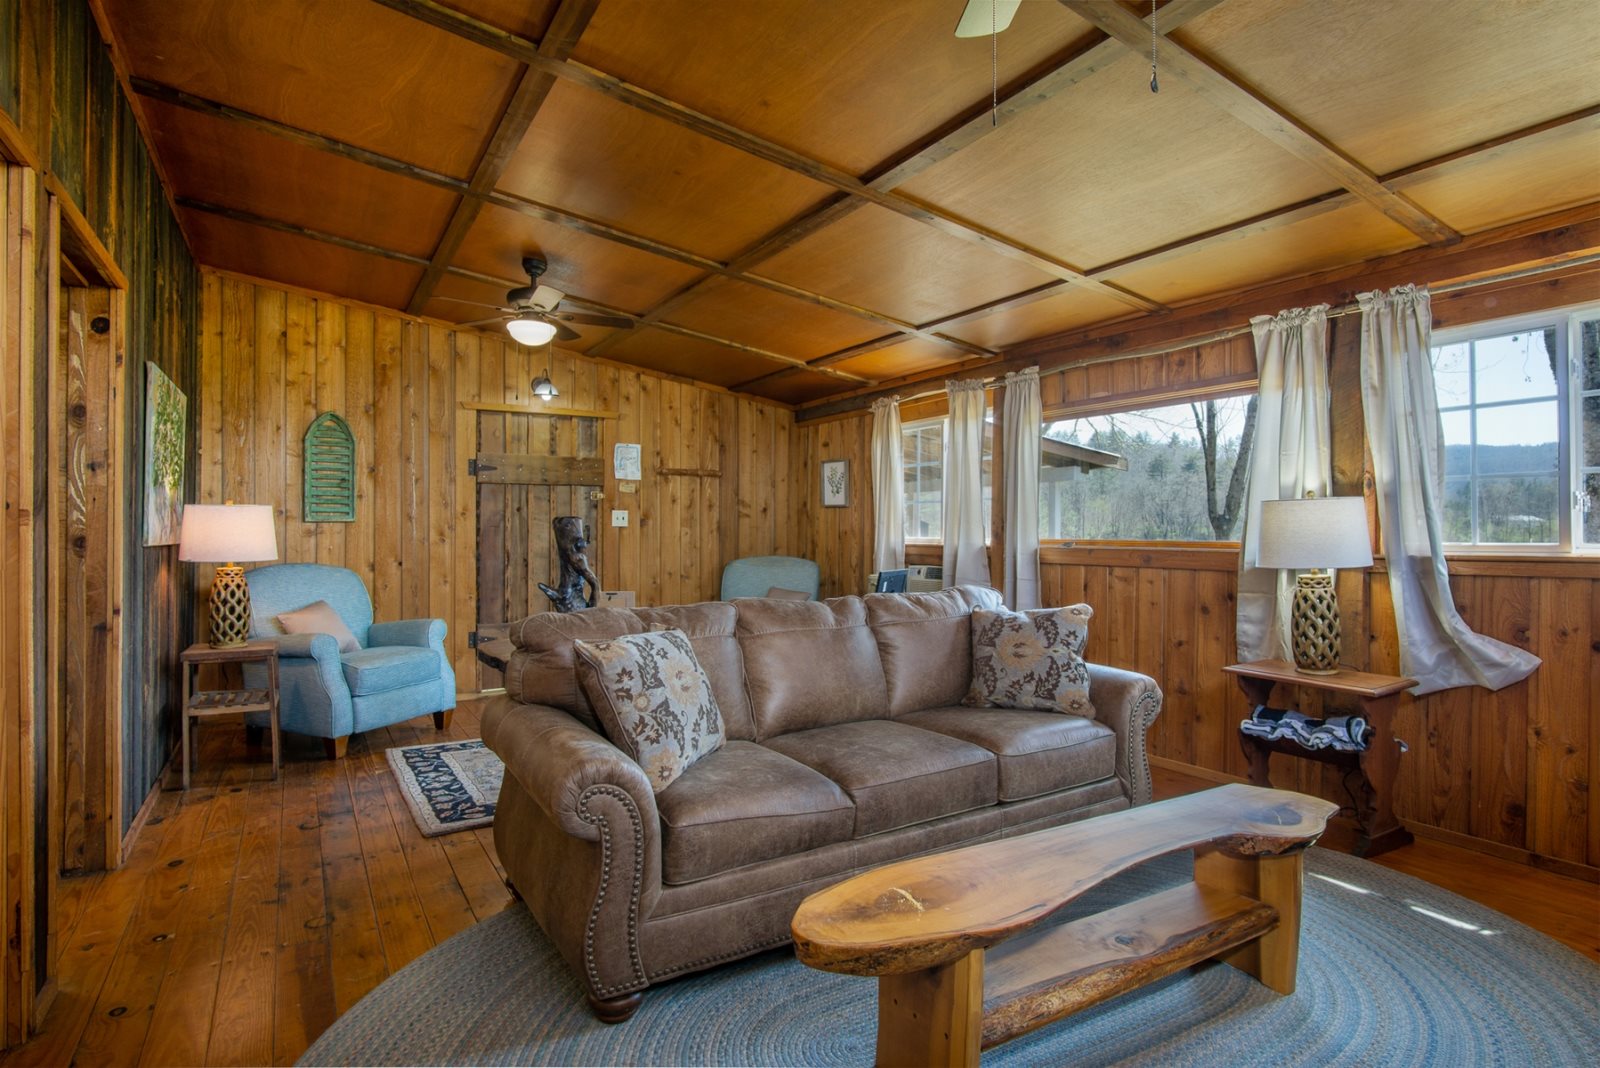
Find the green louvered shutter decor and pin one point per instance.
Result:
(330, 482)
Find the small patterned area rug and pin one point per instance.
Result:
(450, 786)
(1393, 971)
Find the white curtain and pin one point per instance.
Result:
(888, 487)
(1292, 455)
(1022, 427)
(966, 559)
(1407, 441)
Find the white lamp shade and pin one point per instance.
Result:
(531, 331)
(1326, 532)
(227, 533)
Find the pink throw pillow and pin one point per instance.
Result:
(319, 618)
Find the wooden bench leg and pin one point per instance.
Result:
(1273, 958)
(932, 1018)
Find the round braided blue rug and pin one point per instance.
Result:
(1393, 971)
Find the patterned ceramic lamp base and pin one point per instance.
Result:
(230, 607)
(1314, 624)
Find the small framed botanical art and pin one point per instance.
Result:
(835, 483)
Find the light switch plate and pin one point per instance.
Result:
(619, 517)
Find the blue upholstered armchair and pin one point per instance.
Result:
(399, 672)
(753, 576)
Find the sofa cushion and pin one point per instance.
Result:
(925, 642)
(1038, 752)
(710, 627)
(653, 701)
(744, 804)
(809, 664)
(388, 667)
(543, 670)
(1031, 659)
(896, 774)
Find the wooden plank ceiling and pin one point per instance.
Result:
(798, 199)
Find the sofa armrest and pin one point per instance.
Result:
(419, 632)
(1128, 703)
(564, 765)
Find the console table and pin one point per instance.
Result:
(201, 703)
(1377, 828)
(964, 956)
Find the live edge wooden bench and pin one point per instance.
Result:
(965, 961)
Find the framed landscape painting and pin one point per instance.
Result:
(835, 483)
(165, 411)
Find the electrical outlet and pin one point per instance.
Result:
(619, 517)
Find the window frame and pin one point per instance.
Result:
(1567, 323)
(942, 421)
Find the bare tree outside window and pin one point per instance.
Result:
(1175, 473)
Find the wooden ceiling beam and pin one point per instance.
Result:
(1558, 237)
(533, 209)
(170, 95)
(1263, 116)
(481, 33)
(566, 26)
(252, 219)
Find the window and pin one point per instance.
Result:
(1158, 474)
(1509, 393)
(922, 458)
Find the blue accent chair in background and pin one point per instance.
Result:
(400, 671)
(755, 575)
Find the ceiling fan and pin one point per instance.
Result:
(984, 17)
(531, 316)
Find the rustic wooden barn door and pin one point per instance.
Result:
(529, 469)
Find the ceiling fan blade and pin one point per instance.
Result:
(484, 322)
(983, 16)
(595, 319)
(545, 298)
(564, 332)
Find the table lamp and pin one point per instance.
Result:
(1315, 533)
(225, 534)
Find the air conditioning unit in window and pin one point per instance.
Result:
(921, 579)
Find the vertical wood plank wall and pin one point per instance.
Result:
(84, 164)
(273, 358)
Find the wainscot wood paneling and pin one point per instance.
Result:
(1509, 768)
(714, 465)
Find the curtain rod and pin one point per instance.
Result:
(1235, 331)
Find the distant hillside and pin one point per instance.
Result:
(1499, 459)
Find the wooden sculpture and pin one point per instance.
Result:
(571, 542)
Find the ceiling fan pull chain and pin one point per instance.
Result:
(1155, 87)
(994, 64)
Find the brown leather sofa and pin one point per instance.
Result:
(847, 747)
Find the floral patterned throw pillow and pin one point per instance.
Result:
(1031, 659)
(653, 700)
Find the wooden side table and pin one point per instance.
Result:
(199, 703)
(1378, 830)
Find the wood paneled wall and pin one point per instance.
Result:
(838, 539)
(85, 209)
(714, 465)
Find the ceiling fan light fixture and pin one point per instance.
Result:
(545, 389)
(529, 330)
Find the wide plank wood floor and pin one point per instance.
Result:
(251, 913)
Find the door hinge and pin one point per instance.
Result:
(475, 468)
(472, 639)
